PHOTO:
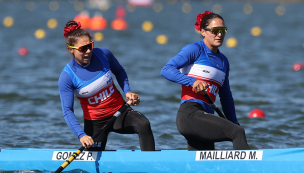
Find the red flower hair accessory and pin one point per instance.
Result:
(69, 29)
(199, 19)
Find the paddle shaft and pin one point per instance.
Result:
(110, 122)
(213, 105)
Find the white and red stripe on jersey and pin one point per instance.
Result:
(100, 99)
(211, 75)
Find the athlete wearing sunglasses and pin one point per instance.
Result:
(217, 30)
(83, 48)
(201, 66)
(89, 76)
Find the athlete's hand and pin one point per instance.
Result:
(199, 86)
(133, 98)
(86, 141)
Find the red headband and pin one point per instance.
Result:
(68, 29)
(199, 19)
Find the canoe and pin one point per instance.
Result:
(218, 161)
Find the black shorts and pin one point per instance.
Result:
(129, 122)
(202, 129)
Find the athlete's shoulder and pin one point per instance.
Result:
(70, 65)
(196, 46)
(65, 77)
(70, 68)
(97, 51)
(103, 51)
(67, 73)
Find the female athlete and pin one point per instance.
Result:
(201, 66)
(89, 75)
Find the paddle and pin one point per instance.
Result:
(213, 105)
(110, 122)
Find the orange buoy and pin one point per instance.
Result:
(22, 51)
(120, 12)
(84, 19)
(256, 113)
(119, 24)
(98, 23)
(297, 66)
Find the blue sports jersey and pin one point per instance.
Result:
(93, 85)
(197, 62)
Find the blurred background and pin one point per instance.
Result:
(264, 45)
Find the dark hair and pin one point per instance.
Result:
(72, 36)
(207, 19)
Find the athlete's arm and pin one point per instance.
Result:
(118, 71)
(67, 101)
(227, 100)
(186, 56)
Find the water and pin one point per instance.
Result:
(260, 75)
